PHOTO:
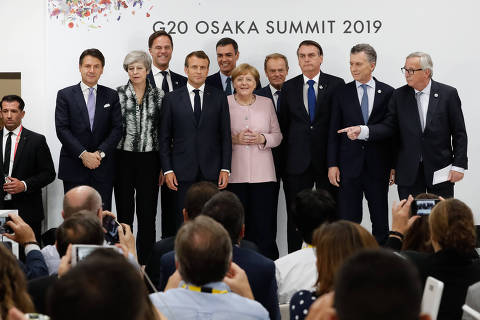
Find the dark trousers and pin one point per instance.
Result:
(259, 202)
(350, 200)
(136, 185)
(444, 189)
(169, 225)
(104, 188)
(293, 184)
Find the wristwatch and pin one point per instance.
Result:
(101, 153)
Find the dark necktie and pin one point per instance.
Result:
(197, 109)
(364, 104)
(228, 87)
(8, 150)
(277, 105)
(312, 100)
(165, 82)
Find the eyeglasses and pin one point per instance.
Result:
(409, 71)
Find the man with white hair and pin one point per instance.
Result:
(427, 117)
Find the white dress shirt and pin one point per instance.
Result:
(370, 93)
(224, 82)
(86, 92)
(305, 89)
(275, 96)
(158, 76)
(191, 94)
(15, 138)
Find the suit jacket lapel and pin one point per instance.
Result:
(357, 109)
(412, 103)
(205, 104)
(299, 98)
(99, 105)
(432, 102)
(321, 89)
(187, 103)
(151, 79)
(376, 100)
(81, 104)
(18, 154)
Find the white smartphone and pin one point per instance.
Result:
(81, 251)
(432, 296)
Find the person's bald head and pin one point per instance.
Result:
(81, 198)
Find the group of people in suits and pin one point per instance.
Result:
(312, 131)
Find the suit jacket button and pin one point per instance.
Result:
(311, 127)
(363, 147)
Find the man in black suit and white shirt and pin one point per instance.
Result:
(160, 46)
(195, 137)
(304, 120)
(361, 167)
(27, 165)
(431, 130)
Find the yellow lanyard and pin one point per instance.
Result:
(203, 289)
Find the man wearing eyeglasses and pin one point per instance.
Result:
(428, 119)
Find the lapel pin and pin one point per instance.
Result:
(107, 105)
(436, 95)
(320, 87)
(379, 91)
(176, 82)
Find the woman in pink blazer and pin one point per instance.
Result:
(255, 131)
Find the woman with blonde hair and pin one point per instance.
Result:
(13, 285)
(334, 243)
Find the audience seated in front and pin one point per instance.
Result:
(203, 260)
(225, 208)
(13, 285)
(297, 270)
(455, 261)
(372, 285)
(334, 243)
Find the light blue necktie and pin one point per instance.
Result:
(364, 104)
(91, 106)
(312, 100)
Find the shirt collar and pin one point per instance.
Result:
(370, 83)
(84, 87)
(272, 88)
(190, 88)
(316, 78)
(214, 285)
(224, 78)
(15, 131)
(426, 90)
(155, 70)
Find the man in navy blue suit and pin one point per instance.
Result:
(276, 70)
(361, 167)
(160, 45)
(195, 137)
(227, 57)
(226, 208)
(427, 117)
(88, 124)
(304, 119)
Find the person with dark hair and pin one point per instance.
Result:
(373, 285)
(334, 243)
(203, 258)
(13, 285)
(225, 208)
(227, 56)
(81, 228)
(297, 271)
(455, 261)
(160, 46)
(304, 120)
(89, 126)
(102, 286)
(195, 138)
(197, 195)
(359, 167)
(27, 165)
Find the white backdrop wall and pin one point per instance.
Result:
(43, 41)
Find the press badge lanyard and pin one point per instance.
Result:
(203, 289)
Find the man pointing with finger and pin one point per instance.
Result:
(427, 115)
(361, 167)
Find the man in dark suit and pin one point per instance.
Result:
(160, 46)
(361, 167)
(195, 137)
(304, 119)
(226, 208)
(89, 126)
(227, 57)
(427, 117)
(276, 70)
(27, 165)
